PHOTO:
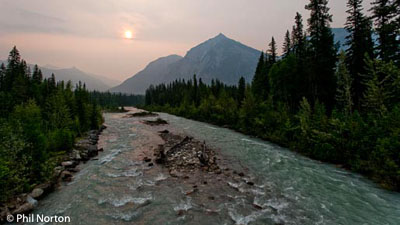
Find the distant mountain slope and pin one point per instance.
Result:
(76, 75)
(219, 57)
(340, 36)
(154, 73)
(93, 82)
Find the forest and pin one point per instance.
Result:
(40, 119)
(338, 107)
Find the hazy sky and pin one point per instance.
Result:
(89, 34)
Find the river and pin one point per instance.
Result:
(118, 188)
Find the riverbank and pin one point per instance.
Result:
(127, 185)
(349, 143)
(84, 149)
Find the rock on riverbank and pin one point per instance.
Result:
(84, 149)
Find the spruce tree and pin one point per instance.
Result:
(344, 83)
(259, 83)
(384, 14)
(322, 53)
(298, 37)
(241, 91)
(13, 68)
(360, 44)
(2, 77)
(37, 75)
(272, 52)
(287, 45)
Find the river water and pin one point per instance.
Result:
(118, 188)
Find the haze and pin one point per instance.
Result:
(90, 34)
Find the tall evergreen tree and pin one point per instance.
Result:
(360, 44)
(322, 53)
(2, 76)
(287, 45)
(241, 91)
(384, 14)
(37, 75)
(344, 96)
(260, 80)
(298, 37)
(13, 68)
(272, 51)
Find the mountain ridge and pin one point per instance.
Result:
(217, 58)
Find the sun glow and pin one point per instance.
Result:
(128, 34)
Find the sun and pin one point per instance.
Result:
(128, 34)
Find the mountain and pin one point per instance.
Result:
(219, 57)
(93, 82)
(340, 36)
(154, 73)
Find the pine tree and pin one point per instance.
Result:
(360, 44)
(322, 53)
(272, 52)
(287, 45)
(37, 75)
(13, 68)
(195, 91)
(344, 83)
(376, 94)
(384, 14)
(241, 91)
(259, 83)
(298, 37)
(2, 77)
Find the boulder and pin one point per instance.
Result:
(37, 193)
(57, 171)
(46, 187)
(66, 175)
(23, 209)
(73, 170)
(102, 127)
(76, 155)
(69, 164)
(31, 200)
(92, 150)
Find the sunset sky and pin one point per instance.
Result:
(92, 34)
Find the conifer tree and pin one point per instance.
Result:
(344, 83)
(360, 45)
(287, 45)
(2, 76)
(241, 91)
(272, 52)
(13, 65)
(322, 53)
(298, 37)
(37, 75)
(384, 14)
(259, 82)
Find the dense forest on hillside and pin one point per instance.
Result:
(113, 101)
(342, 107)
(39, 122)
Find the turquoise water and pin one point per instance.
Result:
(118, 189)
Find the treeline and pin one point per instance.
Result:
(39, 121)
(115, 101)
(340, 108)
